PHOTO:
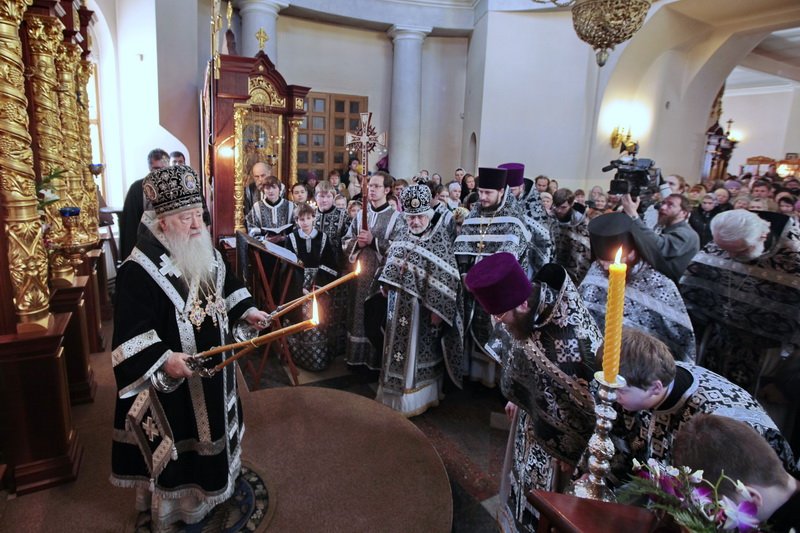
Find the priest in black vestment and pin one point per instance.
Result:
(177, 436)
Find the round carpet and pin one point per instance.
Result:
(336, 461)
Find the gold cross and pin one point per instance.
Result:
(262, 37)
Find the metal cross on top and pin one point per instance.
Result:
(365, 138)
(262, 37)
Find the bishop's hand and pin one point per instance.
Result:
(176, 367)
(256, 318)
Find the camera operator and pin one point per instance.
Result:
(671, 251)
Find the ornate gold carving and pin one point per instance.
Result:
(91, 204)
(294, 126)
(44, 35)
(26, 253)
(67, 61)
(240, 177)
(258, 137)
(298, 103)
(263, 93)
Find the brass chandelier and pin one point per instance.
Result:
(604, 23)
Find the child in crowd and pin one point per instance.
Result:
(353, 207)
(340, 201)
(335, 179)
(299, 193)
(313, 248)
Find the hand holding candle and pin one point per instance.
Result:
(614, 307)
(275, 335)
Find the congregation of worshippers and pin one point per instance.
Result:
(499, 276)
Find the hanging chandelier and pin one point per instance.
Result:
(603, 24)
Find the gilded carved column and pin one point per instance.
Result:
(67, 59)
(294, 125)
(91, 205)
(26, 252)
(44, 36)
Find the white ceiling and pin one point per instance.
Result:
(773, 64)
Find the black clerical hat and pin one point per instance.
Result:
(491, 178)
(608, 232)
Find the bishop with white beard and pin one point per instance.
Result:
(177, 436)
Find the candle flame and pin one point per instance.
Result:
(358, 267)
(618, 258)
(315, 312)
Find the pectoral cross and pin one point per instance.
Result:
(262, 37)
(167, 267)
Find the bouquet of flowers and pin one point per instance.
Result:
(47, 194)
(693, 502)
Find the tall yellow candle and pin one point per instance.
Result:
(614, 307)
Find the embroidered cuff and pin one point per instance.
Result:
(133, 346)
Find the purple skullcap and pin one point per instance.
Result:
(515, 174)
(492, 178)
(498, 283)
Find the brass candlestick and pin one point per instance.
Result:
(601, 448)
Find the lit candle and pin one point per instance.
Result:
(614, 307)
(285, 308)
(275, 335)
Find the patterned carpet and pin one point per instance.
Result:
(248, 510)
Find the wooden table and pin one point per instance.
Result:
(569, 514)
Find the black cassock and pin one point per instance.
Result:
(310, 348)
(184, 443)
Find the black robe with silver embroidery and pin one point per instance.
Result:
(385, 224)
(652, 304)
(422, 278)
(310, 348)
(750, 308)
(269, 219)
(548, 377)
(186, 441)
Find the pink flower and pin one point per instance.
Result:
(740, 516)
(702, 495)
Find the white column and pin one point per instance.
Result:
(406, 109)
(259, 14)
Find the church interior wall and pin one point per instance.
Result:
(673, 68)
(338, 59)
(792, 140)
(473, 94)
(444, 77)
(105, 55)
(139, 90)
(535, 85)
(178, 86)
(764, 122)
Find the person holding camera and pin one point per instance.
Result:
(671, 250)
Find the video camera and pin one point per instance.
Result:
(637, 177)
